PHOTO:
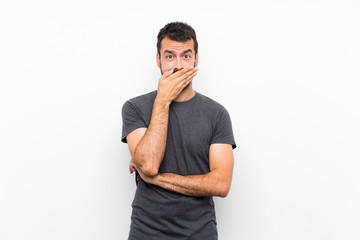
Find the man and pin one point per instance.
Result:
(181, 145)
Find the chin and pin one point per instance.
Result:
(187, 86)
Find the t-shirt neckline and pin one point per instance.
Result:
(186, 101)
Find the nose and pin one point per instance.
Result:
(179, 63)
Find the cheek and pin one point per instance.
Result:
(189, 63)
(165, 66)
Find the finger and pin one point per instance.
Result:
(132, 167)
(188, 81)
(189, 78)
(181, 72)
(167, 73)
(183, 84)
(186, 75)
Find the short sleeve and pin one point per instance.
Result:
(223, 132)
(132, 120)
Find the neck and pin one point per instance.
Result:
(186, 94)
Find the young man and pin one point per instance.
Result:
(181, 145)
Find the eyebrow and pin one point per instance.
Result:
(189, 50)
(172, 52)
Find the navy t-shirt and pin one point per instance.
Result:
(193, 126)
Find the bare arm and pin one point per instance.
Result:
(217, 182)
(147, 145)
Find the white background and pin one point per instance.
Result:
(287, 71)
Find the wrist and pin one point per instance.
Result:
(161, 102)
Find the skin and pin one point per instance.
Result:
(178, 55)
(147, 145)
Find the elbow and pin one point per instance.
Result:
(146, 167)
(224, 190)
(223, 194)
(149, 170)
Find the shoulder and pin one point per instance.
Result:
(221, 121)
(211, 105)
(141, 101)
(144, 98)
(215, 112)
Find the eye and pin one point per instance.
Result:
(186, 56)
(169, 56)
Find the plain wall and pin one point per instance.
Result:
(287, 72)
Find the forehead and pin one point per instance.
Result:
(171, 45)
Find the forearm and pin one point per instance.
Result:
(209, 184)
(147, 147)
(150, 150)
(217, 182)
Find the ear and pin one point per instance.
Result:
(158, 59)
(197, 59)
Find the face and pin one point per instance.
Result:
(176, 55)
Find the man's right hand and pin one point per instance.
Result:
(147, 145)
(171, 85)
